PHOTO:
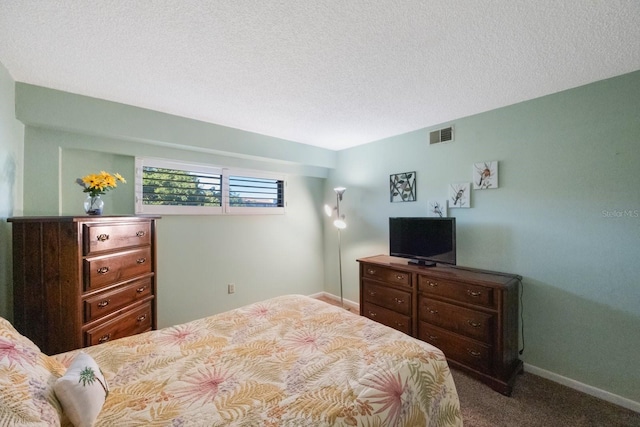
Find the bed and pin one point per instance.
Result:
(286, 361)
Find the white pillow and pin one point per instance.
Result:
(82, 391)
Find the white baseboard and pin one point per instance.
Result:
(584, 388)
(352, 306)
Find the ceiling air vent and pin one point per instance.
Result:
(441, 135)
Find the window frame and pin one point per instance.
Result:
(225, 172)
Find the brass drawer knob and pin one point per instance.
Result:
(371, 271)
(372, 314)
(140, 233)
(399, 300)
(432, 337)
(141, 289)
(372, 293)
(399, 276)
(104, 338)
(103, 304)
(474, 294)
(103, 270)
(141, 260)
(141, 318)
(474, 324)
(433, 284)
(473, 353)
(103, 237)
(432, 311)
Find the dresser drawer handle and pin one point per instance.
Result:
(141, 289)
(432, 337)
(398, 300)
(475, 354)
(400, 324)
(103, 237)
(141, 260)
(372, 293)
(371, 271)
(140, 233)
(104, 338)
(474, 324)
(103, 270)
(399, 276)
(141, 318)
(473, 293)
(103, 304)
(432, 311)
(372, 314)
(433, 284)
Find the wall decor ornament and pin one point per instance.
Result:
(402, 187)
(459, 195)
(485, 175)
(437, 208)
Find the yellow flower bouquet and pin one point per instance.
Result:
(97, 184)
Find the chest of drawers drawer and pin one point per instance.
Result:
(131, 322)
(387, 297)
(458, 348)
(389, 275)
(101, 238)
(387, 317)
(105, 303)
(470, 323)
(105, 270)
(462, 292)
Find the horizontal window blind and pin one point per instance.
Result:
(174, 187)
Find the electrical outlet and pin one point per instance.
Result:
(231, 288)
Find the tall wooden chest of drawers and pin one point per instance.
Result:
(471, 315)
(81, 281)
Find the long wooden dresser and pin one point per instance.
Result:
(81, 281)
(470, 314)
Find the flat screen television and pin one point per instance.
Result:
(424, 240)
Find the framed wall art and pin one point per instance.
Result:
(485, 175)
(437, 208)
(402, 187)
(460, 195)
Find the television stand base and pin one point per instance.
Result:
(422, 263)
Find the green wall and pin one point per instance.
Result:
(11, 160)
(198, 256)
(566, 216)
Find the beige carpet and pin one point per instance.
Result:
(535, 402)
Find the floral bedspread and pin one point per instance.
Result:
(287, 361)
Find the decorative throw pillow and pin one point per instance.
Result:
(82, 390)
(26, 381)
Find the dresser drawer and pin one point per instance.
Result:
(472, 294)
(387, 317)
(100, 238)
(387, 275)
(457, 348)
(111, 301)
(471, 323)
(385, 296)
(129, 323)
(105, 270)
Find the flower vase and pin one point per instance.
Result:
(93, 205)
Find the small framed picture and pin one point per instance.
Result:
(437, 208)
(459, 195)
(485, 175)
(402, 187)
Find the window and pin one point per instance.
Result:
(169, 187)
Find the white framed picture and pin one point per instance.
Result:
(460, 195)
(485, 175)
(437, 208)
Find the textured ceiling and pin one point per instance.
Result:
(332, 73)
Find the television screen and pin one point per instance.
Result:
(425, 241)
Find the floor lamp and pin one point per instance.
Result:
(340, 224)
